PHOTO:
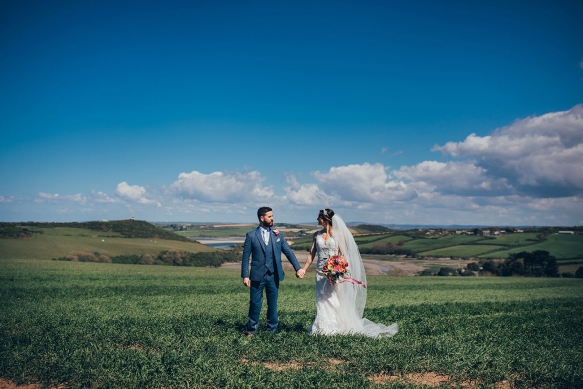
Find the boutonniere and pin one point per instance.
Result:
(276, 232)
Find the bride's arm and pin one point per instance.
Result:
(311, 254)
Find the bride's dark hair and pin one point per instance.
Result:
(326, 214)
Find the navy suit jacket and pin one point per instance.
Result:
(255, 249)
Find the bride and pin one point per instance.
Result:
(339, 306)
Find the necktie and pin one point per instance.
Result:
(266, 237)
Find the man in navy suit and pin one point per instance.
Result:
(265, 245)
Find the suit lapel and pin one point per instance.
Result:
(261, 241)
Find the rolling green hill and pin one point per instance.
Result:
(426, 244)
(124, 228)
(111, 238)
(559, 246)
(461, 251)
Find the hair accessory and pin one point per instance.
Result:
(325, 213)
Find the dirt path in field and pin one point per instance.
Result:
(387, 268)
(5, 384)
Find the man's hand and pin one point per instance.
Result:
(247, 282)
(300, 273)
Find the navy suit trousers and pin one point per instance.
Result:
(270, 283)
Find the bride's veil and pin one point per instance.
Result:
(353, 296)
(349, 249)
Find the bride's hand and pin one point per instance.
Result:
(300, 273)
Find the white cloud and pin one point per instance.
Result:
(100, 197)
(363, 183)
(307, 194)
(223, 187)
(540, 156)
(132, 192)
(457, 177)
(7, 199)
(529, 172)
(56, 198)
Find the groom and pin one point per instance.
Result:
(265, 245)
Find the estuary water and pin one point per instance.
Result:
(220, 243)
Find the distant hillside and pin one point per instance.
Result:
(369, 228)
(125, 228)
(57, 242)
(11, 231)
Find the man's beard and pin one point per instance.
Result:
(265, 224)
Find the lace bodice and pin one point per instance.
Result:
(325, 249)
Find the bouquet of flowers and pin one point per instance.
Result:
(335, 269)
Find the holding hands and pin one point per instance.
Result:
(300, 273)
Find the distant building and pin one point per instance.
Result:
(567, 232)
(104, 220)
(517, 230)
(486, 233)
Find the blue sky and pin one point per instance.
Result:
(426, 112)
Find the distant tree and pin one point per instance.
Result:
(579, 272)
(567, 274)
(473, 266)
(401, 242)
(173, 257)
(147, 259)
(537, 263)
(447, 271)
(386, 248)
(541, 237)
(477, 231)
(104, 258)
(490, 266)
(517, 267)
(81, 256)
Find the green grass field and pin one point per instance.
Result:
(461, 251)
(560, 246)
(392, 239)
(420, 245)
(58, 242)
(129, 326)
(517, 239)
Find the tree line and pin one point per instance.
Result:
(166, 257)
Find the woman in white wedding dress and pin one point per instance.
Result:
(339, 306)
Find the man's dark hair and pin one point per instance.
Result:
(262, 211)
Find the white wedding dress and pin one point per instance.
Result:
(339, 306)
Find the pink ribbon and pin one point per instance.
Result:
(352, 280)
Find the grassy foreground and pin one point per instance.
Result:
(112, 326)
